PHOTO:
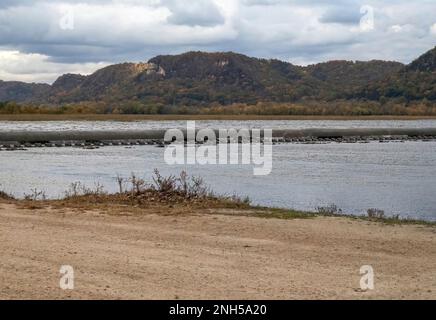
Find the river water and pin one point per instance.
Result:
(399, 178)
(215, 124)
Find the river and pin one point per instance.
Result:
(399, 178)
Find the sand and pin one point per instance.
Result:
(209, 255)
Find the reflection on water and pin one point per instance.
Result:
(396, 177)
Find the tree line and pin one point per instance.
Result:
(337, 108)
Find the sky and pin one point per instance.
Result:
(43, 39)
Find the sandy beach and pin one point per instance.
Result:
(208, 254)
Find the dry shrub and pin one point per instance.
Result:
(77, 189)
(163, 190)
(376, 213)
(189, 187)
(330, 210)
(5, 196)
(35, 195)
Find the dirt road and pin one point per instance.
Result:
(205, 256)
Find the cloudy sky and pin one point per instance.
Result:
(42, 39)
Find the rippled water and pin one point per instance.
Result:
(399, 178)
(216, 124)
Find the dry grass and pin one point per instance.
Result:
(130, 117)
(179, 195)
(172, 194)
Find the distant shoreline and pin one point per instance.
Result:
(175, 117)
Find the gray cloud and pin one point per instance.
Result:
(134, 30)
(197, 13)
(347, 15)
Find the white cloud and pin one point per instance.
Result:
(403, 28)
(17, 66)
(396, 28)
(433, 29)
(135, 30)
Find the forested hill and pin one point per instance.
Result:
(416, 81)
(200, 79)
